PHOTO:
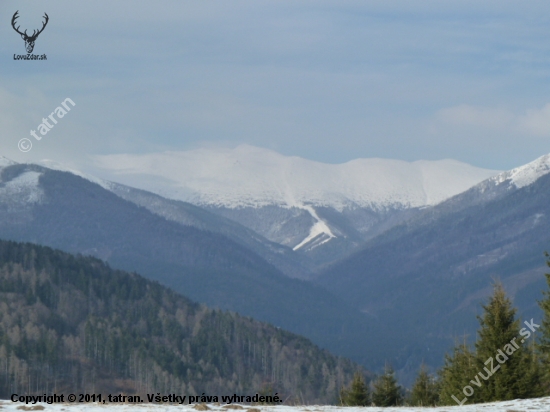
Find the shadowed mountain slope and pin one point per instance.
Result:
(427, 277)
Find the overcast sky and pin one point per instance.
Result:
(325, 80)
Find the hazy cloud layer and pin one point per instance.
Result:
(325, 80)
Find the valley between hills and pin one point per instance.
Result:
(392, 272)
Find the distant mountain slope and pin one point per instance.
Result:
(64, 211)
(321, 210)
(77, 326)
(282, 257)
(428, 276)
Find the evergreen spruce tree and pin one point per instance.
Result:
(456, 373)
(543, 343)
(425, 391)
(534, 383)
(386, 390)
(357, 394)
(500, 340)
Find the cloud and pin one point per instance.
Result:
(485, 117)
(536, 121)
(485, 133)
(328, 80)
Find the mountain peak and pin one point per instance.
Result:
(5, 162)
(526, 174)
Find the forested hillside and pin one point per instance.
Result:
(73, 324)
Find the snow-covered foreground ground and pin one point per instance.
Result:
(528, 405)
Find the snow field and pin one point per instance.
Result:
(518, 405)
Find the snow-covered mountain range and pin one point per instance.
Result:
(297, 202)
(249, 176)
(293, 201)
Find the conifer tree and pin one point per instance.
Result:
(456, 373)
(425, 391)
(543, 343)
(535, 383)
(386, 390)
(357, 394)
(504, 363)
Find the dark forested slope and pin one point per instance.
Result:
(73, 324)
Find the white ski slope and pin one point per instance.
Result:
(528, 405)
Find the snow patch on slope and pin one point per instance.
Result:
(248, 176)
(24, 189)
(21, 190)
(318, 228)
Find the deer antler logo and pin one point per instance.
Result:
(29, 40)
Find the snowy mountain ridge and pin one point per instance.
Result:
(524, 175)
(293, 201)
(4, 161)
(244, 182)
(248, 176)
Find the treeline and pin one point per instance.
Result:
(72, 324)
(509, 360)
